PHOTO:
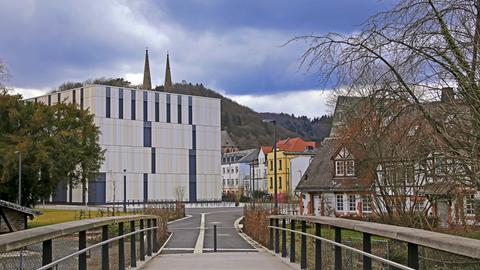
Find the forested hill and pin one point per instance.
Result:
(246, 126)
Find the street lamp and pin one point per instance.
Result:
(19, 176)
(125, 190)
(275, 203)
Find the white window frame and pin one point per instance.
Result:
(347, 167)
(470, 205)
(339, 204)
(339, 167)
(354, 209)
(366, 204)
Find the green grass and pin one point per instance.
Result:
(52, 216)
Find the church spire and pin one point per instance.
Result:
(167, 87)
(147, 82)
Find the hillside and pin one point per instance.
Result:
(246, 126)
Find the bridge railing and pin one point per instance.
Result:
(465, 247)
(77, 244)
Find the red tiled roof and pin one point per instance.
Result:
(295, 145)
(266, 149)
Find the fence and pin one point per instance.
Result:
(82, 244)
(467, 250)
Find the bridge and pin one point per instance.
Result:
(212, 238)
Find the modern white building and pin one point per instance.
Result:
(165, 145)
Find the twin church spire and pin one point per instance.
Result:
(147, 81)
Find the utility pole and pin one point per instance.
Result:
(275, 203)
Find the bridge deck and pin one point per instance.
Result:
(221, 260)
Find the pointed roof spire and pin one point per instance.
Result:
(168, 77)
(147, 82)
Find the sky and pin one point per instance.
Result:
(235, 47)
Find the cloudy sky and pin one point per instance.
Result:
(231, 46)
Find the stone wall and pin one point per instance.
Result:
(15, 218)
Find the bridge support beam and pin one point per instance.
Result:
(284, 238)
(47, 252)
(292, 241)
(367, 247)
(270, 238)
(413, 256)
(105, 259)
(338, 250)
(121, 248)
(149, 238)
(155, 236)
(133, 252)
(318, 247)
(303, 246)
(142, 241)
(82, 243)
(277, 237)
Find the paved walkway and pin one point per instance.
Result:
(191, 245)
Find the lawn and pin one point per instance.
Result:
(52, 216)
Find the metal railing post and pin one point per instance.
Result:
(284, 238)
(292, 241)
(318, 247)
(105, 262)
(149, 238)
(338, 250)
(142, 241)
(277, 237)
(215, 238)
(303, 246)
(367, 247)
(82, 243)
(270, 238)
(47, 252)
(413, 256)
(133, 252)
(155, 236)
(121, 248)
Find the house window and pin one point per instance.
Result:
(419, 206)
(108, 102)
(280, 164)
(271, 165)
(74, 97)
(59, 98)
(280, 182)
(147, 134)
(344, 163)
(352, 203)
(366, 204)
(154, 162)
(350, 167)
(236, 169)
(223, 170)
(339, 202)
(49, 100)
(236, 182)
(339, 168)
(271, 182)
(469, 204)
(81, 98)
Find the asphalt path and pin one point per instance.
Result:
(187, 234)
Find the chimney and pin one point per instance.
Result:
(447, 94)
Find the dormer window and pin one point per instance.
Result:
(344, 163)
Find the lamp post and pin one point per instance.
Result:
(275, 203)
(124, 190)
(19, 176)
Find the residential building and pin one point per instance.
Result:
(228, 145)
(293, 158)
(235, 169)
(159, 145)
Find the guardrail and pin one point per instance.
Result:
(45, 235)
(413, 237)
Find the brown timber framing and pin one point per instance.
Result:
(439, 241)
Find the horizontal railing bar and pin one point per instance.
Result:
(347, 247)
(440, 241)
(76, 253)
(16, 240)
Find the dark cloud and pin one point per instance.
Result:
(234, 46)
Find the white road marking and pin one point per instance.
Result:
(201, 236)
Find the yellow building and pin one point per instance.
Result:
(293, 158)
